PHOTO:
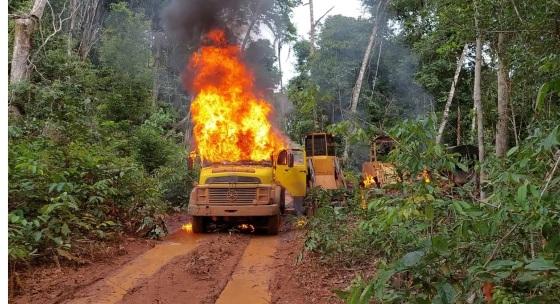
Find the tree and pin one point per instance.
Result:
(503, 101)
(478, 102)
(451, 93)
(358, 86)
(25, 27)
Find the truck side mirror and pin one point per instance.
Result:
(290, 160)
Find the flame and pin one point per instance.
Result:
(187, 227)
(231, 121)
(246, 228)
(426, 176)
(368, 181)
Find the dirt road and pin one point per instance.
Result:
(220, 267)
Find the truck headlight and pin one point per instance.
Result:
(263, 195)
(202, 194)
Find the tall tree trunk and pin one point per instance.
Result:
(503, 101)
(365, 60)
(311, 29)
(451, 93)
(458, 125)
(358, 86)
(23, 32)
(91, 16)
(256, 15)
(377, 66)
(156, 51)
(71, 25)
(280, 64)
(479, 112)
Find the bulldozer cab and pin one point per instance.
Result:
(380, 148)
(322, 163)
(319, 144)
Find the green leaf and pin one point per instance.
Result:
(541, 264)
(521, 197)
(65, 230)
(551, 140)
(545, 89)
(440, 245)
(527, 276)
(37, 235)
(512, 151)
(502, 264)
(382, 277)
(411, 259)
(446, 293)
(463, 167)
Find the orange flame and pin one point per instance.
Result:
(231, 122)
(368, 181)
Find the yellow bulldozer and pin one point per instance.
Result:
(323, 166)
(378, 171)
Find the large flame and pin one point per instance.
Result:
(231, 122)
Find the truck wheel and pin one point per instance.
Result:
(282, 201)
(198, 224)
(273, 224)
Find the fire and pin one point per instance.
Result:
(231, 121)
(426, 176)
(187, 227)
(368, 181)
(246, 228)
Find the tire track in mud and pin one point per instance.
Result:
(251, 278)
(193, 268)
(198, 277)
(115, 286)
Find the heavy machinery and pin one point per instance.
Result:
(248, 191)
(255, 191)
(323, 166)
(377, 171)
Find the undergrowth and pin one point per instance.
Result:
(440, 244)
(80, 174)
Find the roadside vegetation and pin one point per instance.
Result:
(495, 241)
(435, 242)
(91, 156)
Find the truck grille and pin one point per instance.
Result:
(232, 195)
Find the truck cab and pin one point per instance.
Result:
(247, 191)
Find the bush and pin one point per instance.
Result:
(83, 160)
(437, 244)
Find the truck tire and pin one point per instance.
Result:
(198, 224)
(282, 201)
(273, 224)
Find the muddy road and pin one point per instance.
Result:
(221, 267)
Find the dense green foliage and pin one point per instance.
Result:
(91, 157)
(436, 244)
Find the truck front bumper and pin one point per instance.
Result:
(233, 210)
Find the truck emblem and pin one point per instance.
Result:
(231, 195)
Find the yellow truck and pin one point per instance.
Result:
(248, 191)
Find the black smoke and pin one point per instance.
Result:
(188, 20)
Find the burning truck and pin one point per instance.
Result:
(247, 165)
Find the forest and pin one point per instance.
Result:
(101, 130)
